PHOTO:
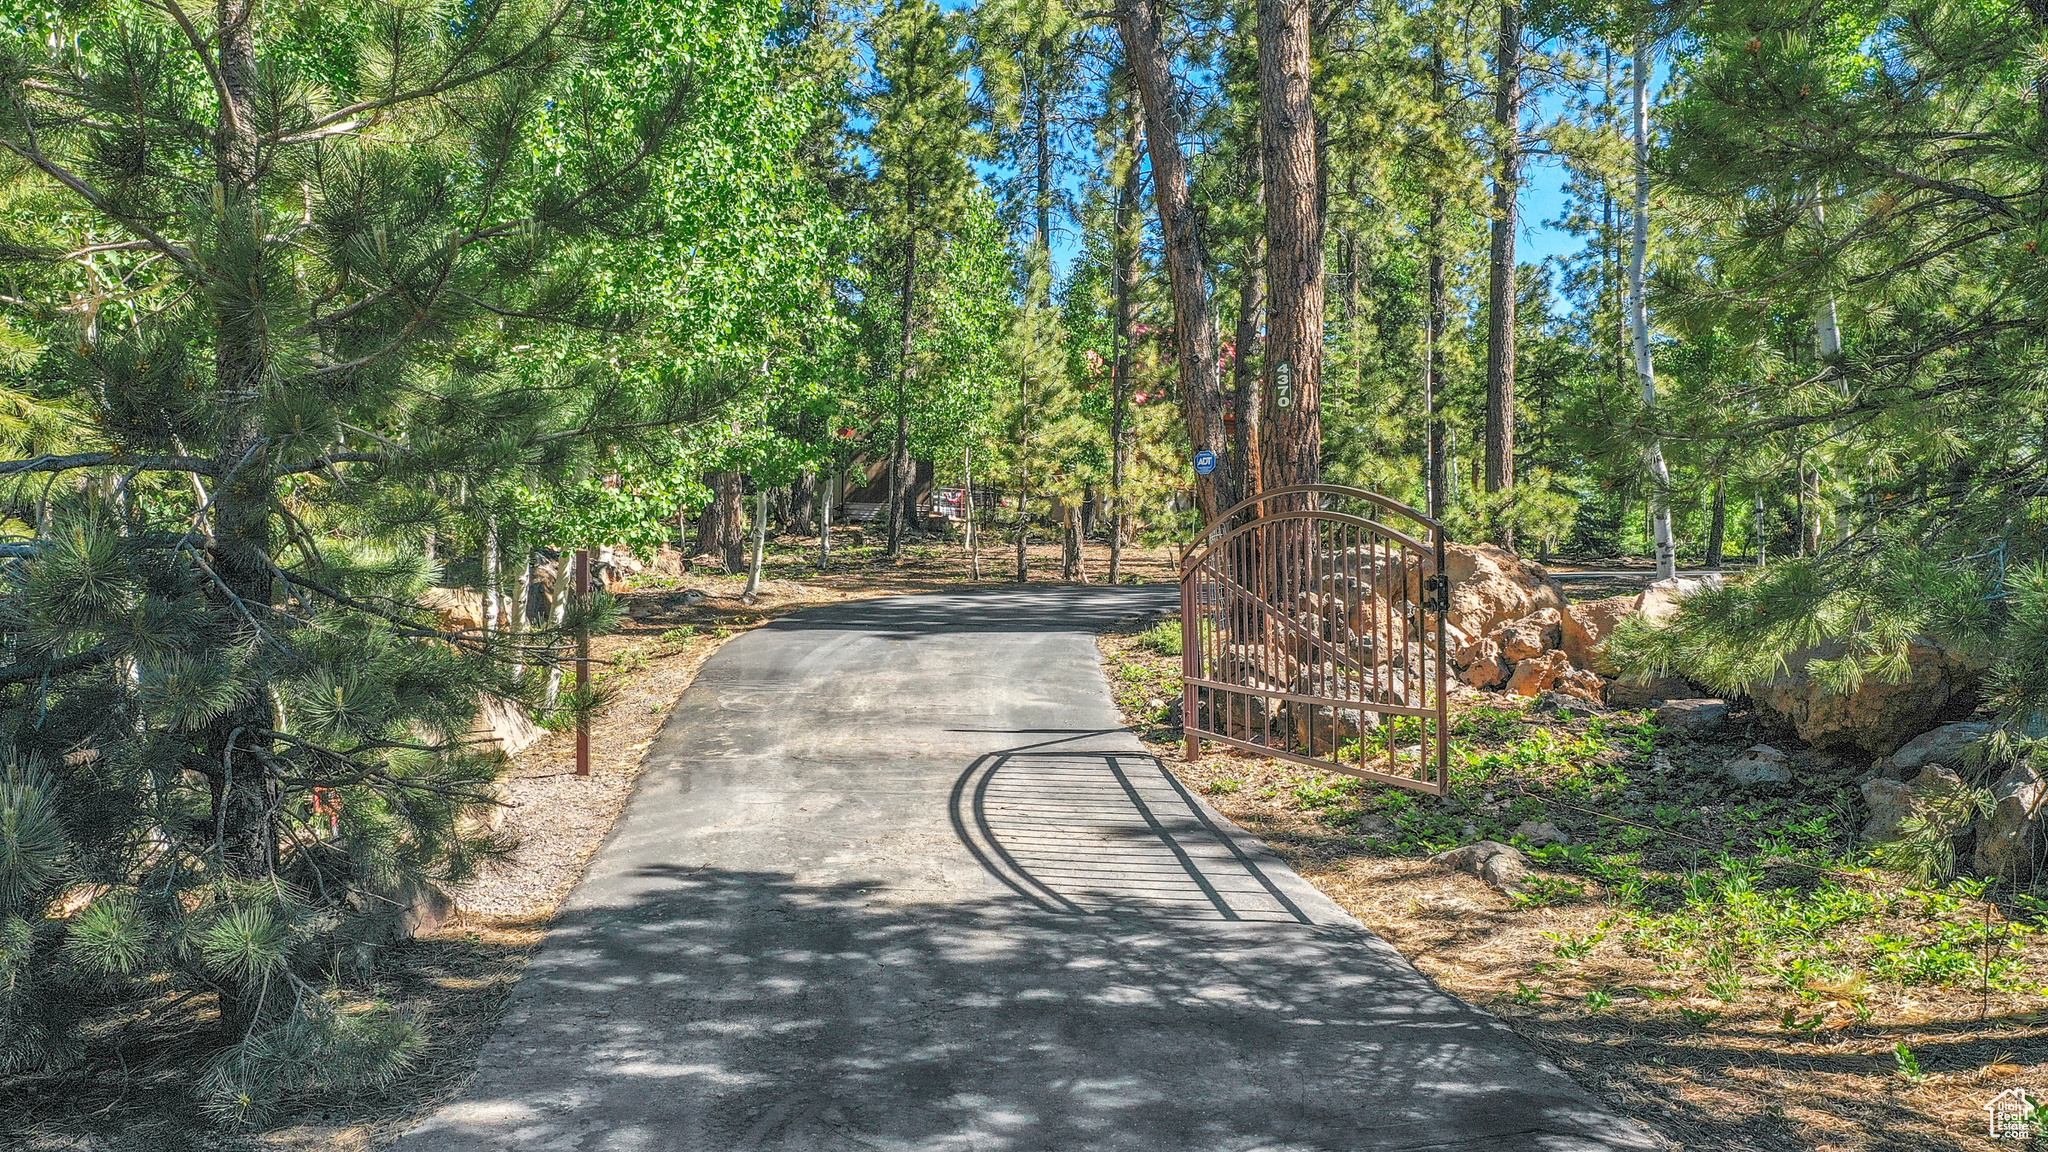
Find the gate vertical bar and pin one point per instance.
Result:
(1190, 658)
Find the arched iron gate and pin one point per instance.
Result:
(1317, 636)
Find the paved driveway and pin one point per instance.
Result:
(897, 879)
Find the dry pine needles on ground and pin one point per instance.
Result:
(1713, 1052)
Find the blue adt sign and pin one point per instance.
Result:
(1205, 462)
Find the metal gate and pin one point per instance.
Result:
(1316, 635)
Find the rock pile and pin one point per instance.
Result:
(1511, 628)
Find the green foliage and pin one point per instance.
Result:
(414, 278)
(1163, 638)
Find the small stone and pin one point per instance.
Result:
(1891, 801)
(1501, 865)
(1564, 704)
(1373, 825)
(693, 597)
(1692, 717)
(1758, 764)
(1943, 745)
(1541, 832)
(1629, 692)
(1660, 763)
(2006, 837)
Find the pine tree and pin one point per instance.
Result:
(923, 137)
(279, 262)
(1875, 169)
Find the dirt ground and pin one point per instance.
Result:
(1706, 1073)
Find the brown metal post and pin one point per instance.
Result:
(1190, 640)
(583, 662)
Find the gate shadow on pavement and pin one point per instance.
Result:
(1108, 833)
(742, 1010)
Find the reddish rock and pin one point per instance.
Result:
(1532, 635)
(1491, 586)
(1484, 668)
(1551, 671)
(1587, 626)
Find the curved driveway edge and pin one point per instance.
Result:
(897, 878)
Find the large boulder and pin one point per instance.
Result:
(1880, 715)
(1532, 635)
(1491, 586)
(1588, 624)
(505, 725)
(2008, 836)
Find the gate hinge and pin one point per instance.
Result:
(1435, 592)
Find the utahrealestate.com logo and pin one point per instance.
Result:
(2016, 1115)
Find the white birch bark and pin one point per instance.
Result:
(1639, 317)
(760, 538)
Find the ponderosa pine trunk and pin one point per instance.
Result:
(1501, 297)
(1437, 310)
(1246, 371)
(1125, 270)
(720, 530)
(1187, 273)
(1291, 429)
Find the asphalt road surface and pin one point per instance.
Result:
(896, 878)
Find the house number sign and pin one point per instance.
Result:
(1283, 385)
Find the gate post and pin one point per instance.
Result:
(1190, 636)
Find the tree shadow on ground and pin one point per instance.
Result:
(1145, 980)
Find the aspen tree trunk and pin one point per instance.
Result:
(1072, 548)
(760, 538)
(494, 578)
(1639, 317)
(517, 626)
(967, 509)
(1194, 321)
(1023, 473)
(1717, 526)
(558, 614)
(1291, 433)
(1433, 321)
(1828, 336)
(1501, 295)
(825, 519)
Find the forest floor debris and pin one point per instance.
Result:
(1719, 962)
